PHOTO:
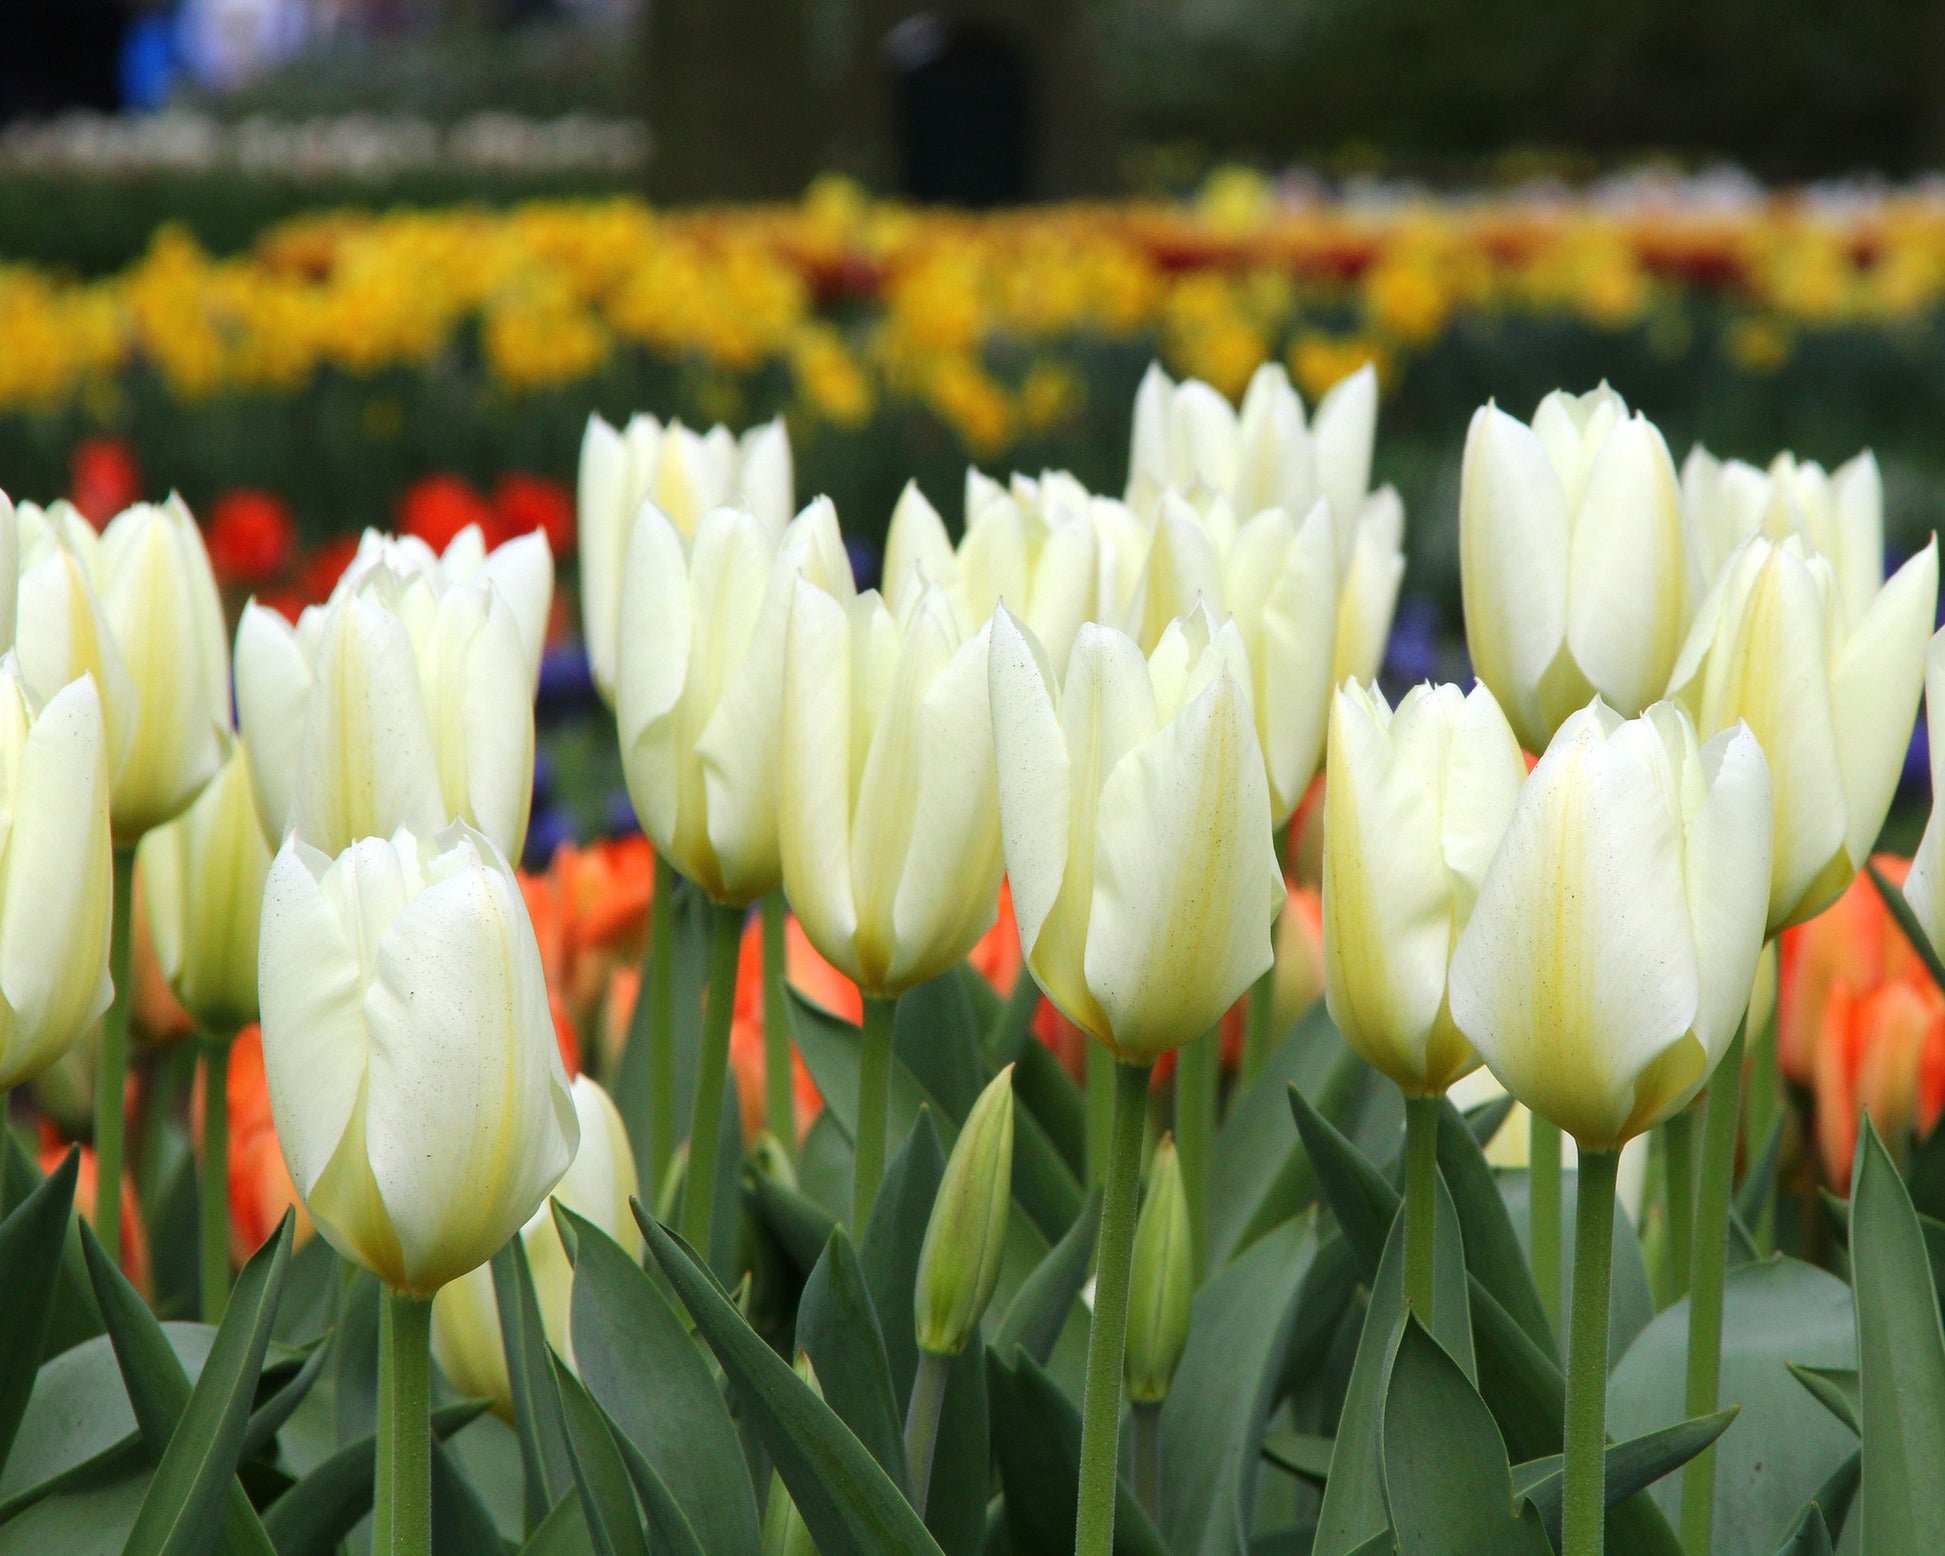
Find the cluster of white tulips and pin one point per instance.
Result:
(1116, 703)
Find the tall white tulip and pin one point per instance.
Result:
(699, 680)
(56, 882)
(889, 824)
(1367, 596)
(1839, 515)
(1570, 559)
(466, 1315)
(202, 880)
(1609, 955)
(1831, 697)
(406, 700)
(136, 607)
(684, 473)
(1274, 575)
(1415, 802)
(1136, 819)
(414, 1074)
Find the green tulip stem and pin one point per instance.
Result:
(402, 1490)
(660, 994)
(1421, 1193)
(712, 1070)
(1705, 1287)
(1100, 1111)
(1259, 1024)
(874, 1104)
(1543, 1212)
(1584, 1474)
(1678, 1135)
(1147, 1422)
(779, 1094)
(1107, 1336)
(1014, 1021)
(1765, 1098)
(1197, 1074)
(922, 1422)
(214, 1198)
(111, 1069)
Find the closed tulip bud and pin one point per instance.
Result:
(136, 607)
(1274, 575)
(888, 818)
(959, 1263)
(1609, 955)
(1415, 802)
(414, 1074)
(597, 1187)
(1570, 559)
(700, 681)
(56, 883)
(1367, 598)
(684, 473)
(1839, 515)
(1162, 1283)
(202, 882)
(1831, 699)
(1034, 547)
(1136, 819)
(406, 701)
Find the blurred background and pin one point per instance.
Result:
(321, 264)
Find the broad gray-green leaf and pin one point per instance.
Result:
(314, 1516)
(1838, 1389)
(536, 1406)
(1047, 1298)
(837, 1328)
(31, 1240)
(1631, 1466)
(1901, 1356)
(1494, 1253)
(607, 1492)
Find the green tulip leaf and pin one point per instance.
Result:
(1043, 1088)
(848, 1503)
(1838, 1389)
(638, 1361)
(315, 1516)
(1037, 1440)
(1631, 1466)
(76, 1317)
(690, 957)
(1048, 1298)
(1901, 1356)
(1447, 1484)
(1631, 1303)
(1494, 1255)
(1360, 1196)
(935, 1035)
(92, 1519)
(461, 1523)
(1774, 1312)
(798, 1222)
(607, 1491)
(190, 1496)
(1301, 1454)
(564, 1531)
(548, 1475)
(669, 1529)
(1812, 1536)
(1908, 925)
(837, 1328)
(1219, 1405)
(31, 1240)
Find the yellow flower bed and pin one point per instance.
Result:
(866, 303)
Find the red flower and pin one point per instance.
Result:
(250, 537)
(103, 478)
(325, 566)
(526, 503)
(439, 507)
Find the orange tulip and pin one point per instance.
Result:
(811, 976)
(1883, 1051)
(590, 911)
(1854, 942)
(260, 1186)
(135, 1240)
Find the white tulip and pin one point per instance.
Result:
(1608, 958)
(1136, 819)
(1570, 559)
(700, 676)
(684, 473)
(1415, 802)
(889, 825)
(136, 607)
(466, 1315)
(56, 881)
(1831, 699)
(1367, 597)
(414, 1074)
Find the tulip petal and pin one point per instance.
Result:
(1576, 972)
(1924, 885)
(1874, 689)
(469, 1119)
(1291, 639)
(1033, 771)
(814, 772)
(1368, 597)
(273, 688)
(1512, 564)
(603, 514)
(473, 670)
(916, 542)
(1185, 877)
(523, 571)
(1728, 843)
(766, 480)
(1342, 431)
